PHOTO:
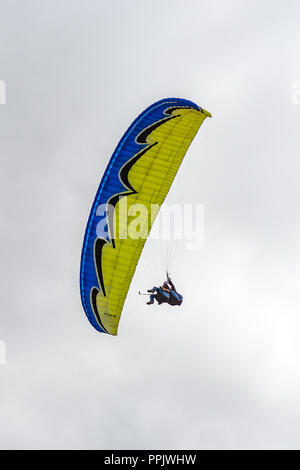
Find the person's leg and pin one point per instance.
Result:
(152, 298)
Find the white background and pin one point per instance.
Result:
(223, 370)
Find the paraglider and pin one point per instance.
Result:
(166, 293)
(139, 174)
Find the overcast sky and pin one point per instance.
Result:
(222, 371)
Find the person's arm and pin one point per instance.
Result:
(172, 285)
(165, 289)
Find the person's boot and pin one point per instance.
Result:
(150, 302)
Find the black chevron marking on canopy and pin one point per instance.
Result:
(124, 179)
(98, 247)
(142, 137)
(174, 108)
(94, 293)
(126, 168)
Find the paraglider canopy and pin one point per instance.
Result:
(139, 174)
